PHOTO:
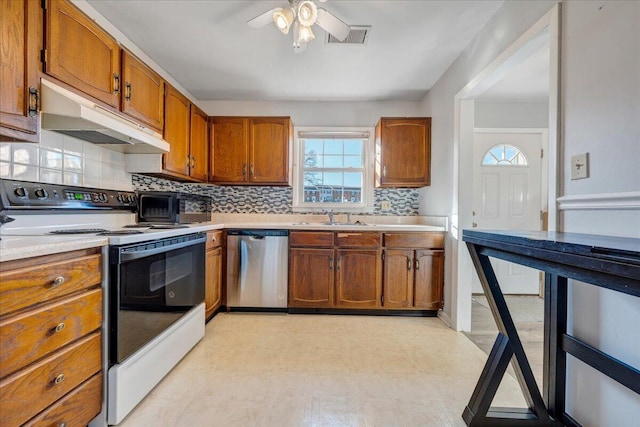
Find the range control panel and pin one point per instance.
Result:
(24, 195)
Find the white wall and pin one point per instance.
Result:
(601, 116)
(511, 114)
(316, 113)
(600, 73)
(509, 22)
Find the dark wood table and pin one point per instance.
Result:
(603, 261)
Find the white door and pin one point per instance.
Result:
(506, 196)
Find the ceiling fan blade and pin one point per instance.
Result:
(263, 19)
(332, 24)
(299, 48)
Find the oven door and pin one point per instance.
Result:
(153, 284)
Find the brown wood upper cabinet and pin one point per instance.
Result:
(81, 54)
(142, 92)
(186, 131)
(251, 150)
(21, 25)
(403, 152)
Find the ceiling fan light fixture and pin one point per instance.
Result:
(305, 34)
(283, 19)
(307, 13)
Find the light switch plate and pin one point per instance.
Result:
(580, 166)
(385, 205)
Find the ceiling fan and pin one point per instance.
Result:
(300, 15)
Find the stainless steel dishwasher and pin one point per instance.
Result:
(257, 268)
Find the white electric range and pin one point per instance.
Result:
(153, 280)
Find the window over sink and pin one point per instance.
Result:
(333, 170)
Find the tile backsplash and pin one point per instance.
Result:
(271, 200)
(61, 159)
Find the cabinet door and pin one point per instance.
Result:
(403, 147)
(398, 278)
(213, 278)
(228, 161)
(176, 131)
(81, 54)
(21, 34)
(142, 92)
(199, 145)
(358, 278)
(311, 278)
(269, 151)
(429, 279)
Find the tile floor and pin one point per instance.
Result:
(321, 370)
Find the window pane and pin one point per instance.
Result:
(352, 161)
(353, 147)
(333, 161)
(312, 160)
(312, 145)
(333, 146)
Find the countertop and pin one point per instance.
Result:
(18, 247)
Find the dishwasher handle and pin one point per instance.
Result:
(258, 234)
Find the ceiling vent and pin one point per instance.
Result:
(357, 35)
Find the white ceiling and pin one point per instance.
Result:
(208, 48)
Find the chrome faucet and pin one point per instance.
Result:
(331, 218)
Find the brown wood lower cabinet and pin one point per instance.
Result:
(213, 273)
(358, 278)
(311, 277)
(51, 343)
(366, 270)
(413, 278)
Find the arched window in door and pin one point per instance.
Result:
(504, 155)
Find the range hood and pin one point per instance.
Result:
(68, 113)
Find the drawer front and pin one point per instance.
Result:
(23, 287)
(358, 240)
(77, 408)
(311, 238)
(29, 391)
(31, 335)
(414, 240)
(214, 239)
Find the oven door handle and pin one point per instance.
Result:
(126, 257)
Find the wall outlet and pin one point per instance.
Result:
(385, 205)
(580, 166)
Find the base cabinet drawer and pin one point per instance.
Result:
(26, 393)
(23, 287)
(77, 408)
(27, 337)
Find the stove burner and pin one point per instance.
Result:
(168, 226)
(79, 231)
(119, 232)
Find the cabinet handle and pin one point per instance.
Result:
(330, 263)
(384, 171)
(60, 327)
(62, 424)
(193, 162)
(57, 282)
(250, 169)
(474, 225)
(417, 267)
(244, 169)
(34, 101)
(127, 96)
(408, 264)
(338, 263)
(116, 83)
(58, 379)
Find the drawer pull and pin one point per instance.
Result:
(60, 327)
(58, 281)
(58, 379)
